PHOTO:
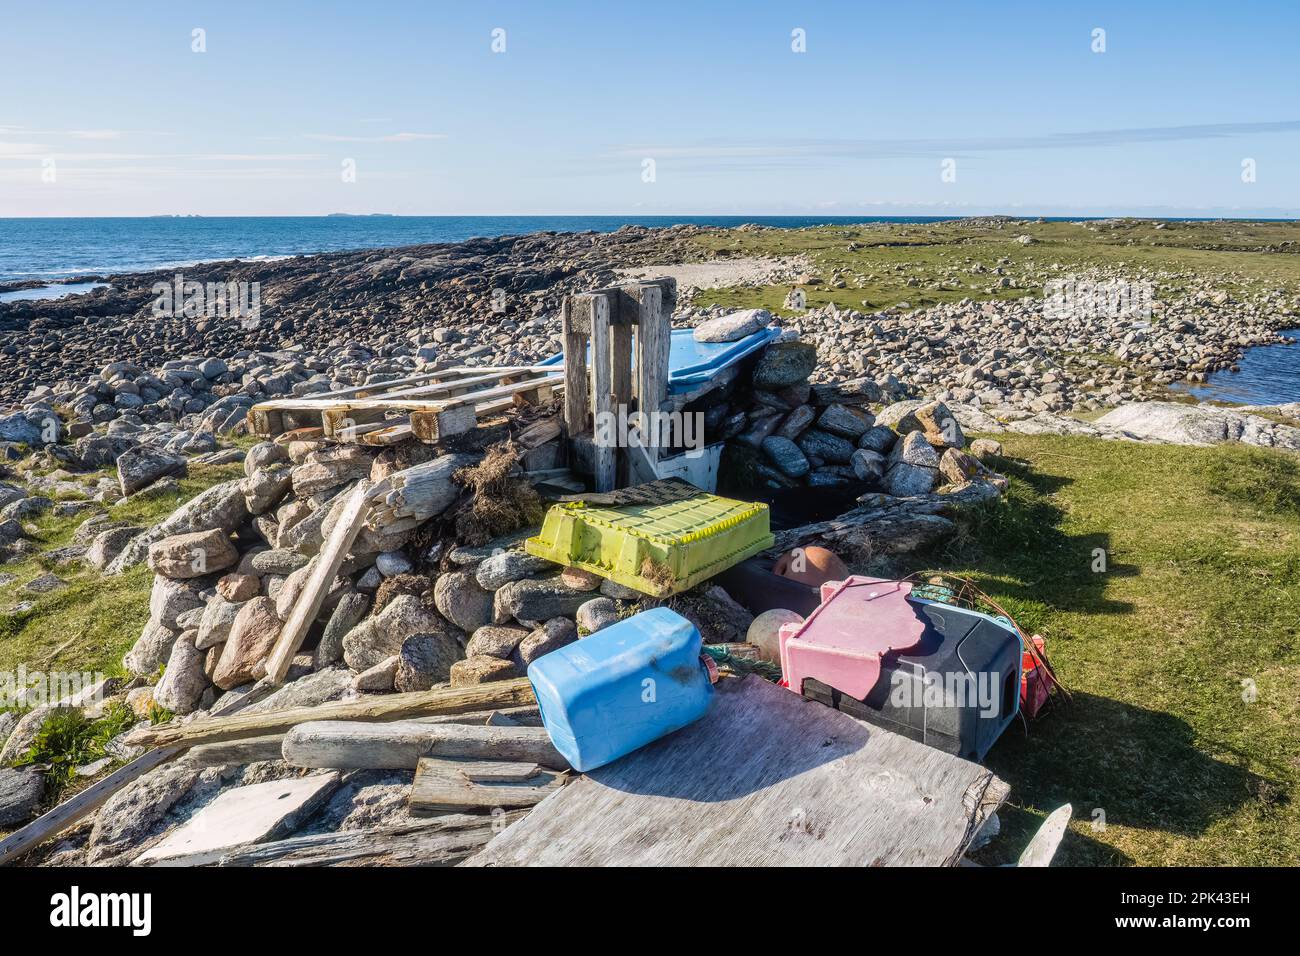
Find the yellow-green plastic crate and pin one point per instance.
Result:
(679, 543)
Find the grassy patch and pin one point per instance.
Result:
(91, 622)
(884, 264)
(1199, 602)
(68, 739)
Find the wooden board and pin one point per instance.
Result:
(318, 584)
(379, 413)
(436, 841)
(766, 778)
(399, 744)
(516, 692)
(444, 785)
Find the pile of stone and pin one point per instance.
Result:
(1014, 358)
(785, 431)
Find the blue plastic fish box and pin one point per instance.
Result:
(692, 364)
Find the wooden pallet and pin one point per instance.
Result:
(624, 369)
(430, 407)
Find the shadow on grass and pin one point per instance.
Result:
(1020, 542)
(1119, 765)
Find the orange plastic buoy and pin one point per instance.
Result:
(811, 566)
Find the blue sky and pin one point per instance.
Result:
(105, 109)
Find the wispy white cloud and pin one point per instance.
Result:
(779, 152)
(390, 138)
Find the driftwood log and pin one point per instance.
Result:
(436, 841)
(448, 700)
(399, 745)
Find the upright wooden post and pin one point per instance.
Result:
(575, 327)
(653, 340)
(605, 440)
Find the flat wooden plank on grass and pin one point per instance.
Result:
(766, 778)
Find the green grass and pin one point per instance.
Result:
(91, 623)
(1201, 593)
(877, 261)
(69, 739)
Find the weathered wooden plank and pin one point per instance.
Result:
(653, 342)
(429, 841)
(276, 416)
(766, 778)
(326, 568)
(55, 821)
(399, 745)
(237, 752)
(602, 393)
(444, 785)
(575, 328)
(516, 692)
(1042, 846)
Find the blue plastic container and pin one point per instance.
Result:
(633, 682)
(691, 363)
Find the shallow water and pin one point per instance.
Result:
(1270, 375)
(50, 291)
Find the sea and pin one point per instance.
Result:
(52, 250)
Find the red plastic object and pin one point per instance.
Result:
(842, 642)
(1035, 681)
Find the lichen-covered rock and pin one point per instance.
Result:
(462, 601)
(788, 458)
(20, 793)
(500, 569)
(151, 649)
(183, 682)
(184, 556)
(845, 421)
(597, 614)
(784, 364)
(330, 467)
(381, 636)
(481, 670)
(131, 812)
(351, 608)
(215, 624)
(494, 641)
(140, 467)
(265, 488)
(425, 660)
(551, 636)
(530, 600)
(252, 635)
(733, 326)
(221, 507)
(107, 545)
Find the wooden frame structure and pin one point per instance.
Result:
(625, 369)
(429, 406)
